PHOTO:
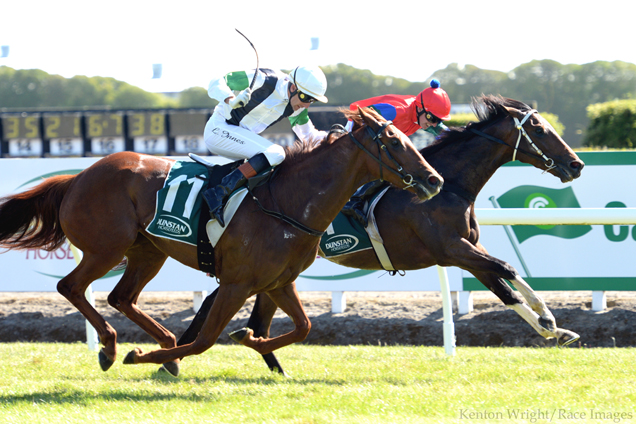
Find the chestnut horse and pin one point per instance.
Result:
(449, 236)
(105, 210)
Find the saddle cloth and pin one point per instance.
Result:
(346, 235)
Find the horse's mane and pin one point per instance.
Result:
(488, 109)
(298, 151)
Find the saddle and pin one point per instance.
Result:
(209, 231)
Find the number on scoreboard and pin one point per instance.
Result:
(21, 132)
(105, 131)
(186, 128)
(147, 129)
(64, 134)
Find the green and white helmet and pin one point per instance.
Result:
(310, 80)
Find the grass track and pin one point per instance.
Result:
(55, 383)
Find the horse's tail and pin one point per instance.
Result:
(31, 219)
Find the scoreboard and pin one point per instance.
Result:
(50, 133)
(162, 132)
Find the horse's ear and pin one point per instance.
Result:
(366, 116)
(513, 112)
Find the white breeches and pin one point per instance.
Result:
(236, 143)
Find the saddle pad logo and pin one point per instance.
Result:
(341, 243)
(174, 226)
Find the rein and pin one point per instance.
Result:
(549, 162)
(407, 179)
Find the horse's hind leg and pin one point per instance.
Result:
(73, 287)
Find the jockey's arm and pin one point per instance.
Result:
(225, 88)
(305, 130)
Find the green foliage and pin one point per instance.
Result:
(554, 121)
(460, 119)
(346, 85)
(196, 97)
(612, 124)
(33, 88)
(561, 90)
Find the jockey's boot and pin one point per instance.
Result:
(357, 207)
(216, 197)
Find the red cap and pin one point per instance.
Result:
(435, 100)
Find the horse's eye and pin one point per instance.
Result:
(395, 141)
(540, 131)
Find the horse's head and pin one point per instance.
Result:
(392, 155)
(534, 141)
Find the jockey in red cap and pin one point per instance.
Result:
(425, 111)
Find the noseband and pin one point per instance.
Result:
(549, 162)
(407, 179)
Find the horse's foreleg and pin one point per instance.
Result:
(546, 327)
(564, 337)
(534, 301)
(493, 272)
(288, 300)
(228, 302)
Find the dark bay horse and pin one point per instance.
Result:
(444, 230)
(105, 210)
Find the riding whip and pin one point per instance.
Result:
(256, 70)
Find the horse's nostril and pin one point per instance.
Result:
(575, 164)
(433, 181)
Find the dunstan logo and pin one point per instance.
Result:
(341, 243)
(174, 226)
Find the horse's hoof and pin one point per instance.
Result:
(104, 361)
(566, 337)
(171, 368)
(239, 335)
(130, 358)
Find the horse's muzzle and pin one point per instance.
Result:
(428, 188)
(570, 172)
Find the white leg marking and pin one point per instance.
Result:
(536, 303)
(532, 318)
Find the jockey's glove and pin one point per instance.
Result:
(241, 99)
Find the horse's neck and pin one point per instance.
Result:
(469, 164)
(315, 188)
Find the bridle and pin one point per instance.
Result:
(399, 171)
(549, 162)
(407, 179)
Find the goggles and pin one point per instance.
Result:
(305, 98)
(431, 118)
